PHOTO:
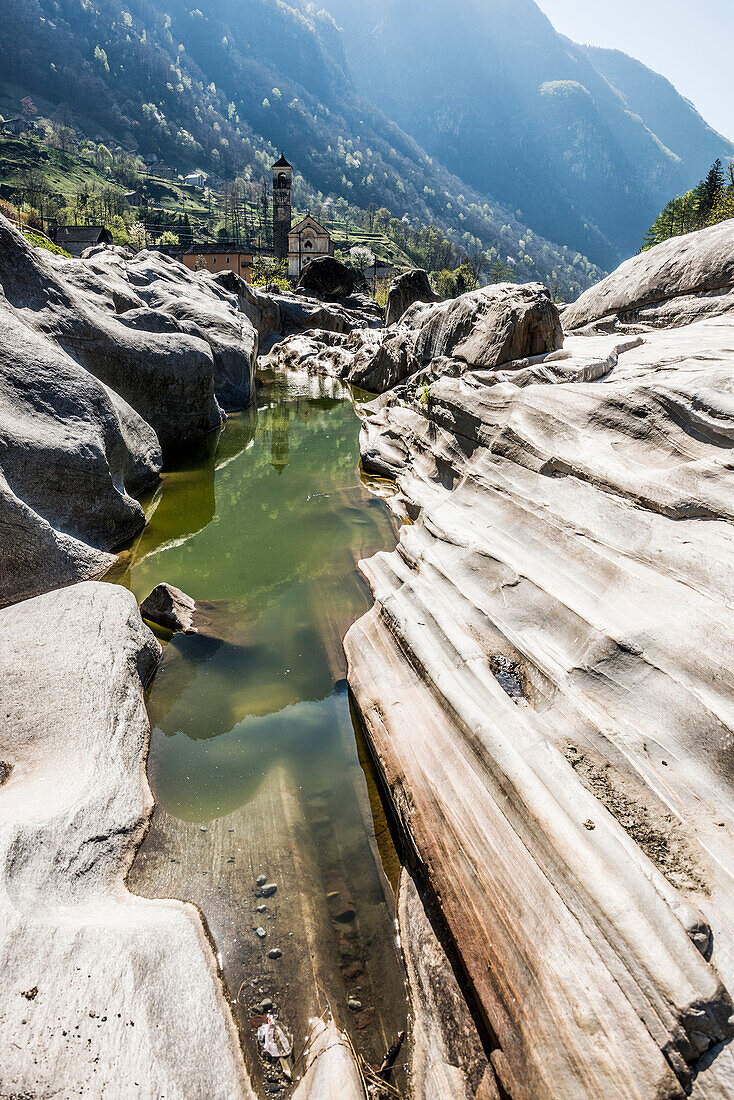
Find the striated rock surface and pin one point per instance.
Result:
(103, 993)
(674, 283)
(547, 683)
(407, 289)
(485, 328)
(447, 1058)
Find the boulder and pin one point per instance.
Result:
(485, 329)
(408, 288)
(88, 966)
(327, 278)
(73, 456)
(276, 317)
(164, 372)
(169, 607)
(697, 267)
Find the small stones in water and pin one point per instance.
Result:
(261, 933)
(261, 880)
(274, 953)
(354, 1004)
(268, 889)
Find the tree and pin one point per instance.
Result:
(361, 257)
(137, 236)
(168, 239)
(28, 107)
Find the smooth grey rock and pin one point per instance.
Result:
(331, 1070)
(261, 880)
(261, 933)
(485, 329)
(268, 889)
(278, 316)
(275, 953)
(161, 369)
(328, 278)
(354, 1004)
(74, 806)
(407, 289)
(698, 266)
(72, 456)
(266, 1004)
(169, 607)
(572, 514)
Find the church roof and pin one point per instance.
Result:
(308, 220)
(282, 163)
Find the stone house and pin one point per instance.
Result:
(75, 238)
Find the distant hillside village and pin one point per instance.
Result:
(70, 194)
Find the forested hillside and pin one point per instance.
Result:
(224, 86)
(586, 145)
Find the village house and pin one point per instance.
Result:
(211, 257)
(75, 238)
(195, 179)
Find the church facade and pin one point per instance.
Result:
(299, 243)
(306, 240)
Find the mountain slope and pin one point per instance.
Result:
(584, 142)
(226, 84)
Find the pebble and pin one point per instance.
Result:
(261, 908)
(274, 953)
(261, 880)
(265, 1005)
(354, 1004)
(261, 933)
(268, 889)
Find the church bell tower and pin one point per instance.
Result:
(282, 181)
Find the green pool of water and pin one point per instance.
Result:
(265, 526)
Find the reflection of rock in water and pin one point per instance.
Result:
(322, 936)
(185, 503)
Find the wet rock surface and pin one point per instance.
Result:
(564, 777)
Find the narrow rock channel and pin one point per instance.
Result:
(253, 760)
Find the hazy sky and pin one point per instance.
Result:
(689, 41)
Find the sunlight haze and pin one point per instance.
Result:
(687, 43)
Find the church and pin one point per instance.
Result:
(301, 242)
